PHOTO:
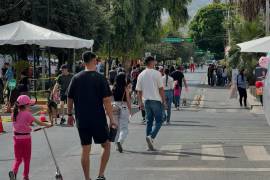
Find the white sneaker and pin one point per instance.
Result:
(149, 141)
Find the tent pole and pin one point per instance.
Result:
(74, 61)
(50, 74)
(34, 68)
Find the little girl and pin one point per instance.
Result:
(177, 94)
(22, 119)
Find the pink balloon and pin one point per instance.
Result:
(263, 62)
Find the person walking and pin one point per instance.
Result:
(122, 100)
(151, 98)
(23, 85)
(62, 84)
(90, 93)
(112, 75)
(22, 121)
(241, 82)
(179, 77)
(168, 84)
(225, 76)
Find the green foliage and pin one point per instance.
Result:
(21, 66)
(207, 29)
(127, 24)
(241, 31)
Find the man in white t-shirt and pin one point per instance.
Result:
(151, 98)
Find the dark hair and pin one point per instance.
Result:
(16, 110)
(149, 59)
(88, 56)
(51, 105)
(64, 66)
(167, 72)
(120, 84)
(172, 69)
(242, 74)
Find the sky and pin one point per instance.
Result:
(192, 8)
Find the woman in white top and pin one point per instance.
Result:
(168, 84)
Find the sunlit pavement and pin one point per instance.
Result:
(210, 139)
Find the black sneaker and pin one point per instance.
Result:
(63, 120)
(12, 175)
(101, 178)
(119, 147)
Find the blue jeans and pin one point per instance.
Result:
(154, 111)
(169, 99)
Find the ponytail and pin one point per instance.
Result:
(167, 77)
(15, 111)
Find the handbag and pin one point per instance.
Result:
(117, 108)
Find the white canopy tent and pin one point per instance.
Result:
(261, 45)
(256, 46)
(21, 32)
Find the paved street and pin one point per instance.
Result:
(211, 139)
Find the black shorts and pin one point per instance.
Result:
(63, 97)
(99, 134)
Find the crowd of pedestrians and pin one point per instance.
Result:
(94, 98)
(217, 75)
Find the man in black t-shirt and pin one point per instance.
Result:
(90, 93)
(180, 78)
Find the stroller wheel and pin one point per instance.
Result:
(58, 177)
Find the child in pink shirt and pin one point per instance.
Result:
(177, 95)
(22, 120)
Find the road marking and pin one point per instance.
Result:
(212, 153)
(200, 169)
(256, 153)
(211, 110)
(169, 152)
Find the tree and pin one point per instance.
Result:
(249, 9)
(241, 31)
(207, 29)
(139, 22)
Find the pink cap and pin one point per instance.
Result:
(24, 100)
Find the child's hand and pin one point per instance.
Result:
(49, 125)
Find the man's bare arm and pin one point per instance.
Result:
(185, 83)
(162, 95)
(139, 93)
(70, 105)
(109, 110)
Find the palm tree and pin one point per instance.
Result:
(249, 9)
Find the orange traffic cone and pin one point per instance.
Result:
(42, 116)
(1, 126)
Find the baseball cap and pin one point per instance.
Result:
(24, 100)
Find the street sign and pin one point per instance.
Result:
(177, 40)
(172, 40)
(188, 40)
(199, 51)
